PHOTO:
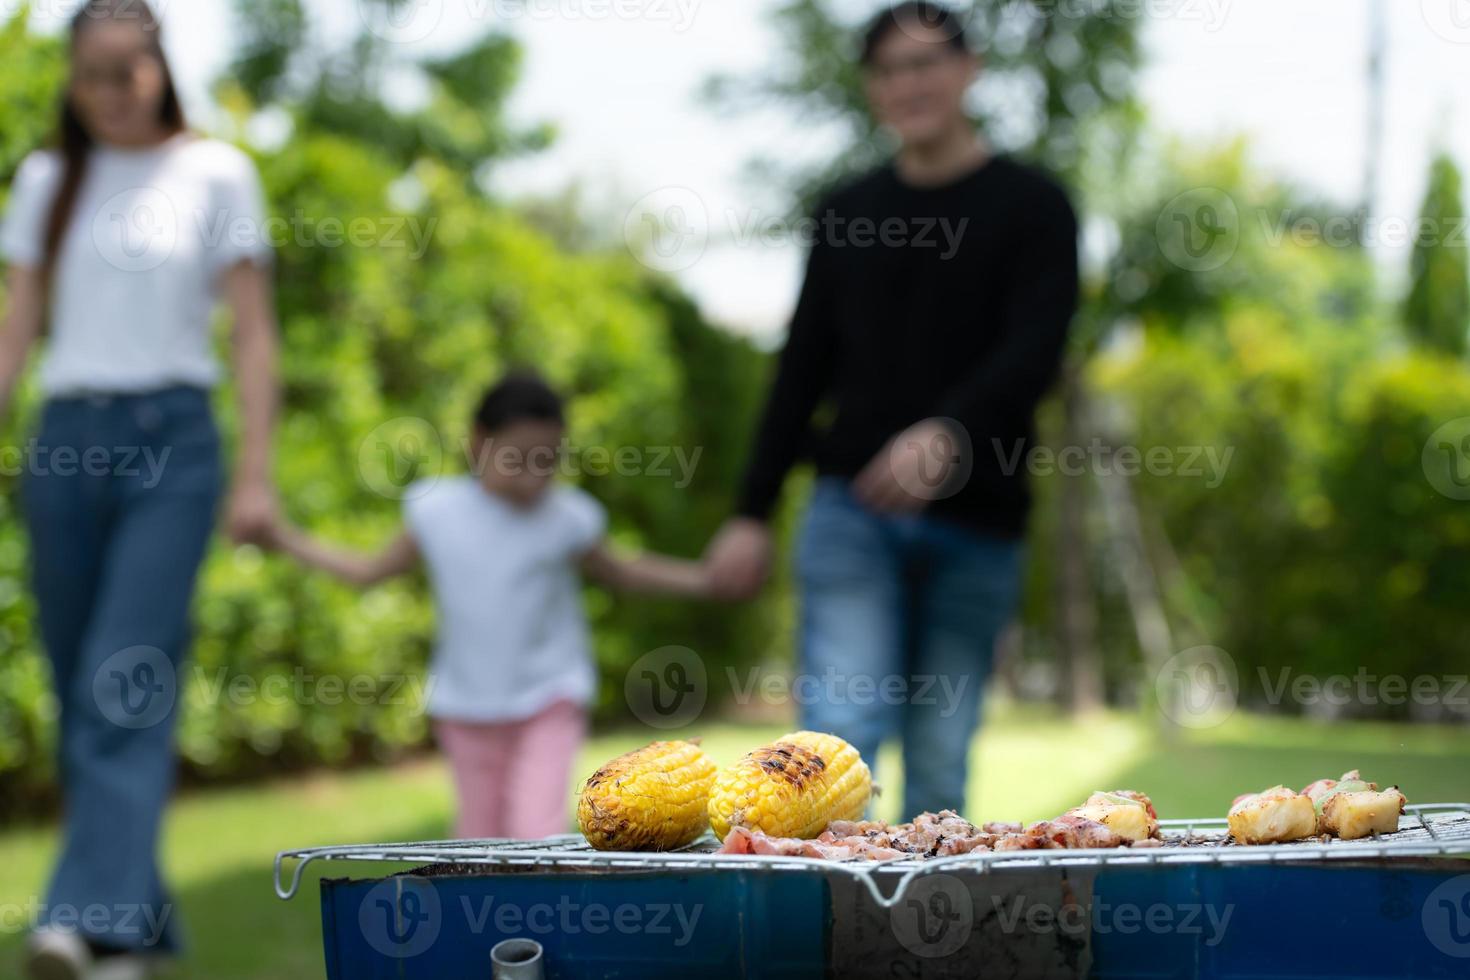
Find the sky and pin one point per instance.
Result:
(620, 80)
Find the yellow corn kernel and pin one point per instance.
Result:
(793, 787)
(652, 799)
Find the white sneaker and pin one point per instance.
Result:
(54, 954)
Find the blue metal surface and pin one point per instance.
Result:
(1211, 921)
(636, 926)
(1299, 922)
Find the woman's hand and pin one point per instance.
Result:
(253, 513)
(739, 559)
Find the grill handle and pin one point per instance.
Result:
(517, 959)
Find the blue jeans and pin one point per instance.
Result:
(120, 497)
(899, 621)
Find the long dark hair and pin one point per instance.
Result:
(72, 139)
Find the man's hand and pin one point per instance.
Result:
(252, 514)
(921, 464)
(739, 559)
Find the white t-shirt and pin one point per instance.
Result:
(512, 634)
(138, 274)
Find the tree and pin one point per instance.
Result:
(1437, 310)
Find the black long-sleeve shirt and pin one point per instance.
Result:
(922, 302)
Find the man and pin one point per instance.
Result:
(937, 299)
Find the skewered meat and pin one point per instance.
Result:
(942, 834)
(1351, 808)
(743, 841)
(1129, 815)
(1272, 817)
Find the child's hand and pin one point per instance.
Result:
(273, 535)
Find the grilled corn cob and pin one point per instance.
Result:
(651, 799)
(793, 787)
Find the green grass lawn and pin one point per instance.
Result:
(220, 844)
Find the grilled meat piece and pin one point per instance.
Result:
(1272, 817)
(1355, 815)
(743, 841)
(1072, 831)
(1351, 807)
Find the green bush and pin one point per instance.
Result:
(392, 330)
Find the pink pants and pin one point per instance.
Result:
(513, 777)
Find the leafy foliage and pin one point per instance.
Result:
(1437, 311)
(441, 289)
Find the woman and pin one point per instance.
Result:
(119, 242)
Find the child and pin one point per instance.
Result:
(512, 668)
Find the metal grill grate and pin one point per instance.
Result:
(1426, 830)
